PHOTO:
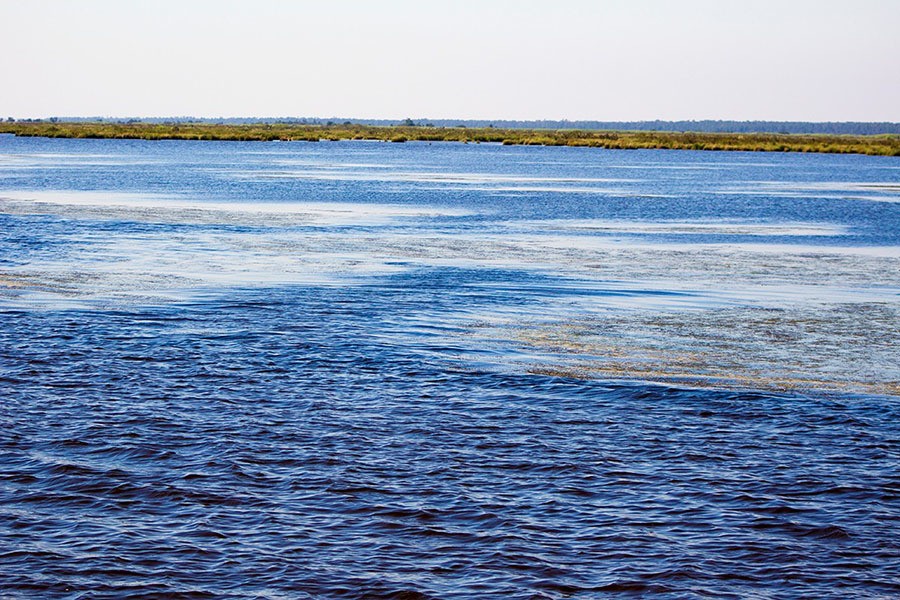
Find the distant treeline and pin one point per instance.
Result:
(707, 126)
(884, 145)
(835, 128)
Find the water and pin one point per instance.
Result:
(442, 371)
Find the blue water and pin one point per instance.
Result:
(354, 369)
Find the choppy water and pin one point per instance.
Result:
(407, 370)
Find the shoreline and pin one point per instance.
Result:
(873, 145)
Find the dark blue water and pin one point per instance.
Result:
(202, 403)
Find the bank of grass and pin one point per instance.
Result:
(883, 145)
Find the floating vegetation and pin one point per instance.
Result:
(845, 347)
(884, 145)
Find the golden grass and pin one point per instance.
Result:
(883, 145)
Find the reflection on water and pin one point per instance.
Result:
(698, 227)
(173, 209)
(876, 191)
(192, 236)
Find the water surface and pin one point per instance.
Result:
(412, 370)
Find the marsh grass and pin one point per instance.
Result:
(882, 145)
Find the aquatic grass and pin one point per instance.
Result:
(733, 348)
(881, 145)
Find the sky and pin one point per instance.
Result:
(823, 60)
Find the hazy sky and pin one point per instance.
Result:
(557, 59)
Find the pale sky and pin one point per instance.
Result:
(815, 60)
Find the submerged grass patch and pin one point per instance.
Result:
(883, 145)
(838, 347)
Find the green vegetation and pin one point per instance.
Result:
(884, 145)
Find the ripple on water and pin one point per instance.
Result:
(325, 392)
(276, 446)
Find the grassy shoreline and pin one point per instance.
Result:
(879, 145)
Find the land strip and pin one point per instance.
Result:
(882, 145)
